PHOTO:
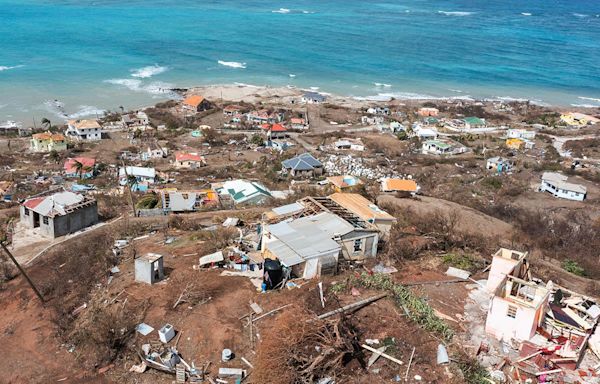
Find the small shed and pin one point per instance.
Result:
(149, 268)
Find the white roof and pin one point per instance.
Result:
(426, 132)
(560, 181)
(138, 171)
(53, 205)
(285, 209)
(307, 237)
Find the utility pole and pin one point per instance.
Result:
(23, 272)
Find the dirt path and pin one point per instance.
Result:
(470, 220)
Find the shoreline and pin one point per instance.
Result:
(242, 92)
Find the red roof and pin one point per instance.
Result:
(274, 127)
(187, 156)
(87, 162)
(34, 202)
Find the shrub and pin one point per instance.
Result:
(462, 261)
(417, 309)
(573, 267)
(492, 182)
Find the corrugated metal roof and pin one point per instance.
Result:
(284, 253)
(308, 237)
(285, 209)
(138, 172)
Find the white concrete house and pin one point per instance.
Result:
(557, 185)
(520, 134)
(84, 130)
(425, 133)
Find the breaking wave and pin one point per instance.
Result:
(525, 13)
(589, 98)
(411, 96)
(232, 64)
(584, 105)
(287, 10)
(6, 68)
(383, 85)
(580, 15)
(86, 111)
(157, 88)
(455, 13)
(148, 71)
(57, 108)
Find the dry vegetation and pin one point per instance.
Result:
(300, 350)
(584, 147)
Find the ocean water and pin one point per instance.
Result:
(79, 57)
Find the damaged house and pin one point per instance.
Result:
(557, 185)
(309, 236)
(187, 201)
(552, 325)
(518, 305)
(57, 213)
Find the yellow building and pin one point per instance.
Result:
(515, 143)
(47, 141)
(576, 119)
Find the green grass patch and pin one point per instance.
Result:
(573, 267)
(466, 262)
(492, 182)
(416, 308)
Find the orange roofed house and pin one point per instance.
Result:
(47, 141)
(191, 160)
(195, 103)
(399, 185)
(274, 131)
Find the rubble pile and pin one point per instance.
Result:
(357, 166)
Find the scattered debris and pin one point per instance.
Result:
(144, 329)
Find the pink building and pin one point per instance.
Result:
(519, 305)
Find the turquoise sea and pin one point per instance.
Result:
(81, 56)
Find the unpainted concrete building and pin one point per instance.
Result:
(59, 213)
(149, 268)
